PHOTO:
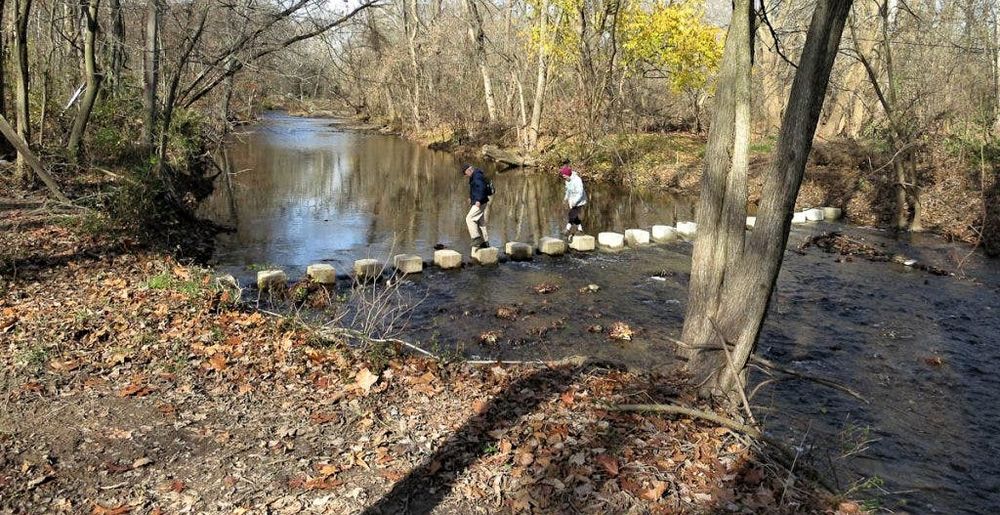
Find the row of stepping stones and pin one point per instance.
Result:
(446, 259)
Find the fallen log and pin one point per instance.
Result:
(22, 148)
(512, 158)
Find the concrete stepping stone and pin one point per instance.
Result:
(751, 222)
(518, 251)
(832, 213)
(487, 256)
(322, 273)
(583, 243)
(272, 280)
(663, 233)
(687, 229)
(799, 218)
(447, 259)
(636, 237)
(408, 264)
(611, 240)
(814, 215)
(551, 246)
(367, 269)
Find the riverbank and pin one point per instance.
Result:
(132, 381)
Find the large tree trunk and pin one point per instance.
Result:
(477, 37)
(151, 75)
(722, 204)
(748, 281)
(22, 12)
(93, 76)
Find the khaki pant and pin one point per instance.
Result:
(476, 221)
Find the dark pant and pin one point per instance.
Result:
(574, 215)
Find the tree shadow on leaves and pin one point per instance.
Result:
(426, 487)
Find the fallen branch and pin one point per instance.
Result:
(25, 151)
(358, 335)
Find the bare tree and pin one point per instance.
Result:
(92, 74)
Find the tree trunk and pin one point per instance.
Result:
(751, 272)
(411, 23)
(22, 12)
(477, 37)
(151, 68)
(5, 146)
(536, 108)
(118, 54)
(721, 213)
(94, 77)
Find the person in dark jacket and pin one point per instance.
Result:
(479, 206)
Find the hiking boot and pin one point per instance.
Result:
(484, 245)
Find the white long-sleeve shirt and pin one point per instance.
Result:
(575, 194)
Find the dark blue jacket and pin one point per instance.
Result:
(477, 188)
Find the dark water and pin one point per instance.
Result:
(923, 349)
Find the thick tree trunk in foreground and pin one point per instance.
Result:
(5, 146)
(94, 77)
(722, 204)
(749, 272)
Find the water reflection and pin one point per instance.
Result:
(302, 191)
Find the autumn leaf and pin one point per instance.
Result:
(479, 406)
(365, 379)
(608, 463)
(135, 389)
(102, 510)
(218, 362)
(567, 397)
(655, 491)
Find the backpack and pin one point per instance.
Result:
(490, 189)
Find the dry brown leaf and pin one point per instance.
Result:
(365, 379)
(102, 510)
(608, 463)
(567, 397)
(218, 362)
(479, 406)
(655, 491)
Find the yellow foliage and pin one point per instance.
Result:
(672, 37)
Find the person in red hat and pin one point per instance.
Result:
(575, 198)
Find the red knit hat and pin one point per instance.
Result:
(565, 171)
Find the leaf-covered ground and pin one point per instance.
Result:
(134, 384)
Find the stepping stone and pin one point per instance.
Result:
(322, 273)
(271, 280)
(552, 246)
(636, 237)
(664, 233)
(751, 222)
(687, 229)
(611, 240)
(814, 215)
(799, 218)
(487, 256)
(447, 259)
(583, 243)
(519, 251)
(367, 269)
(408, 264)
(832, 213)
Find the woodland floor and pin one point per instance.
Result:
(132, 383)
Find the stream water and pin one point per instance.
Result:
(922, 349)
